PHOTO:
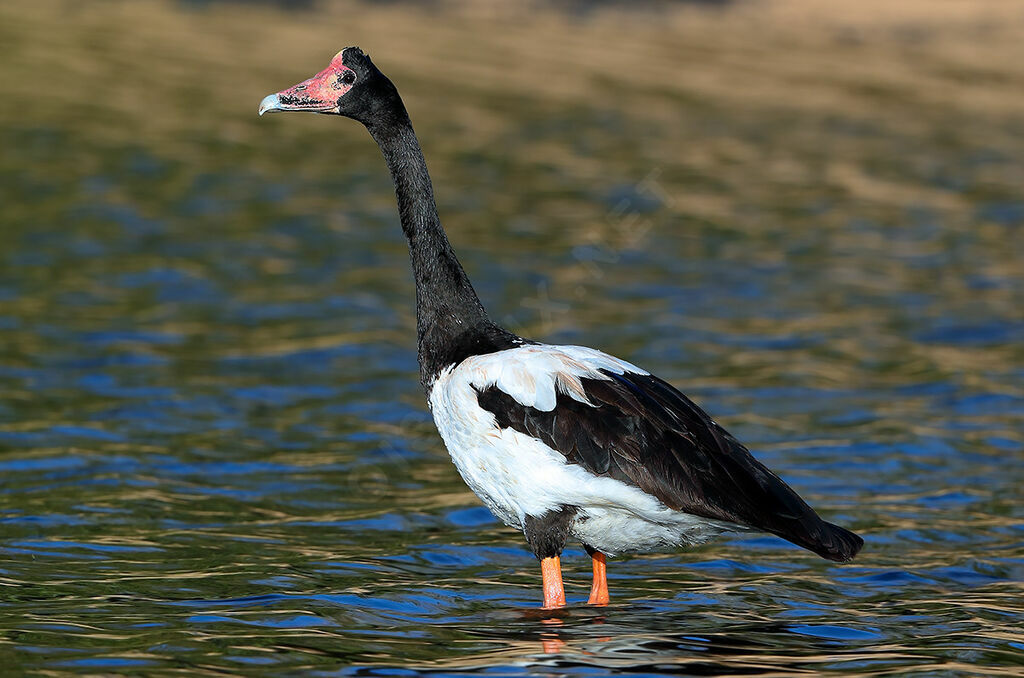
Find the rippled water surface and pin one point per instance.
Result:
(214, 453)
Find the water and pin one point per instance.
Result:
(215, 454)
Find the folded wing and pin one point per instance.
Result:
(638, 429)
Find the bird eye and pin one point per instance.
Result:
(348, 77)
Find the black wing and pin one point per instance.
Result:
(642, 431)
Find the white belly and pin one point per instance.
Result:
(516, 475)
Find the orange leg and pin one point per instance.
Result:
(599, 590)
(554, 592)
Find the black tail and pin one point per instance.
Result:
(830, 541)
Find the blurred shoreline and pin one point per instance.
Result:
(874, 59)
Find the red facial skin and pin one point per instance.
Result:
(319, 93)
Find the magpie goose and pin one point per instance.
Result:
(560, 442)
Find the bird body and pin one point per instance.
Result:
(520, 476)
(561, 442)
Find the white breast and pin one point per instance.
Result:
(516, 475)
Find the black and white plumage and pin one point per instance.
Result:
(536, 428)
(561, 442)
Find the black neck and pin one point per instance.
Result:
(451, 322)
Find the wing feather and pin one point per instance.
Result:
(617, 421)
